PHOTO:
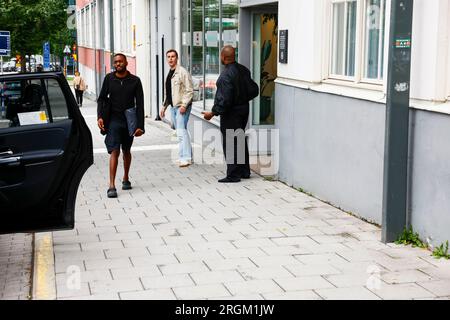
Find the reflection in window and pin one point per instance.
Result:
(344, 38)
(374, 39)
(212, 59)
(202, 24)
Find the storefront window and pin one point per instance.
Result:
(207, 25)
(212, 58)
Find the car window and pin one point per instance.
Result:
(31, 102)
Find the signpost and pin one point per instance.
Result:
(46, 56)
(66, 53)
(395, 189)
(5, 46)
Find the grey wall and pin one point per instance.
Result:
(430, 175)
(333, 147)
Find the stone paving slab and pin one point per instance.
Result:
(180, 235)
(15, 266)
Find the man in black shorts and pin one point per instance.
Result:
(120, 91)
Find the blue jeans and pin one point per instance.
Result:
(180, 122)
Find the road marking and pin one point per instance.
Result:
(44, 282)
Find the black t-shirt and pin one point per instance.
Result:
(169, 87)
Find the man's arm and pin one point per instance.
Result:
(102, 98)
(223, 101)
(188, 89)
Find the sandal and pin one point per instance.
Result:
(112, 193)
(126, 185)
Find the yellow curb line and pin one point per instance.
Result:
(44, 282)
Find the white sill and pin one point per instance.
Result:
(198, 113)
(363, 92)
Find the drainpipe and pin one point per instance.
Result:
(111, 33)
(395, 188)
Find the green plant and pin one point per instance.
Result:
(409, 237)
(441, 252)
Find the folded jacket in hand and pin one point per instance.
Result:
(131, 116)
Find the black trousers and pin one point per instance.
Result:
(79, 95)
(234, 142)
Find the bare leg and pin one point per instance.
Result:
(126, 165)
(113, 163)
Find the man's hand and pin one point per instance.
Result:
(162, 113)
(182, 109)
(139, 132)
(100, 124)
(207, 115)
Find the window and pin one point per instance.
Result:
(207, 25)
(358, 40)
(25, 102)
(125, 25)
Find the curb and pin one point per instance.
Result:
(43, 286)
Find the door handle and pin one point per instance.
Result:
(10, 161)
(6, 153)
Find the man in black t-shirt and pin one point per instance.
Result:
(120, 91)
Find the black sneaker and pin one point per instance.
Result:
(229, 180)
(112, 193)
(126, 185)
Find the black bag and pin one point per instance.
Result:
(247, 89)
(131, 116)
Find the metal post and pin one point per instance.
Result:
(1, 63)
(397, 121)
(111, 33)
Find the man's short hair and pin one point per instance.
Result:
(122, 55)
(172, 50)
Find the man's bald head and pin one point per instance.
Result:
(228, 55)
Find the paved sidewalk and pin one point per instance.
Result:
(15, 266)
(181, 235)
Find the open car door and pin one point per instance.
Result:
(45, 149)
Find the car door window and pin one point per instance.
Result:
(31, 102)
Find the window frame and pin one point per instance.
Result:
(361, 36)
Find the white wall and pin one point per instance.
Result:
(303, 19)
(429, 69)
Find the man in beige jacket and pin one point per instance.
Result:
(179, 94)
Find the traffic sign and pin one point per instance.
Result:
(5, 43)
(46, 56)
(67, 49)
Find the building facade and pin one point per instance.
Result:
(325, 97)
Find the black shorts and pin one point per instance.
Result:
(118, 136)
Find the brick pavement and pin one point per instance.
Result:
(180, 235)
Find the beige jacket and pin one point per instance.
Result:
(79, 81)
(182, 88)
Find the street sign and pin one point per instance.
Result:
(67, 49)
(46, 56)
(5, 43)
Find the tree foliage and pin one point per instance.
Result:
(32, 22)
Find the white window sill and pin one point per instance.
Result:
(366, 92)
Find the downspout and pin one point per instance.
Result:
(111, 33)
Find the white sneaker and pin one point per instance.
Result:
(184, 164)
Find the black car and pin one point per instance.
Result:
(45, 149)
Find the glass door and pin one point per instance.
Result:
(264, 65)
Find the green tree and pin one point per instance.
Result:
(32, 22)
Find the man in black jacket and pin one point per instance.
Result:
(233, 108)
(120, 91)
